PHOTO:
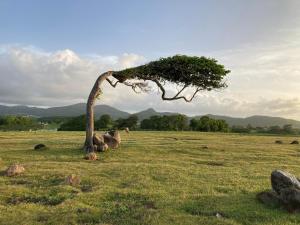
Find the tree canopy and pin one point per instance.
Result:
(200, 73)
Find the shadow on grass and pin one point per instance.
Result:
(128, 208)
(241, 208)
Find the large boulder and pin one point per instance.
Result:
(281, 180)
(111, 141)
(116, 135)
(98, 139)
(14, 169)
(269, 198)
(285, 193)
(291, 197)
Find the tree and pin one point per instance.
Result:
(198, 73)
(105, 121)
(130, 122)
(194, 123)
(288, 129)
(172, 122)
(74, 124)
(12, 122)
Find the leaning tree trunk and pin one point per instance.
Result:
(89, 147)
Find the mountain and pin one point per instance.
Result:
(79, 109)
(64, 111)
(151, 112)
(256, 121)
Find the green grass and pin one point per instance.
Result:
(154, 178)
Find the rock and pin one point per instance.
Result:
(218, 215)
(286, 191)
(116, 135)
(86, 188)
(91, 156)
(269, 198)
(110, 141)
(291, 197)
(97, 139)
(281, 180)
(73, 180)
(278, 142)
(14, 169)
(295, 142)
(40, 147)
(103, 148)
(204, 147)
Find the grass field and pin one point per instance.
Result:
(154, 178)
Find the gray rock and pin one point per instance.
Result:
(40, 147)
(281, 180)
(290, 196)
(269, 198)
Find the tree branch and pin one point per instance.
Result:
(143, 86)
(111, 83)
(175, 97)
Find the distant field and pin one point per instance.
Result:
(154, 178)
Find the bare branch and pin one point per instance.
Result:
(111, 83)
(175, 97)
(142, 86)
(184, 87)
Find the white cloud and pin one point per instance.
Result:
(264, 81)
(34, 77)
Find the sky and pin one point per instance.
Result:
(51, 52)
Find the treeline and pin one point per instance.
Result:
(285, 129)
(104, 122)
(207, 124)
(163, 123)
(172, 122)
(19, 123)
(176, 122)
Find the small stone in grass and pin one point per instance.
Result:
(91, 156)
(73, 180)
(218, 215)
(14, 169)
(40, 147)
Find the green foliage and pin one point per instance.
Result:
(208, 125)
(130, 122)
(12, 122)
(285, 129)
(173, 122)
(74, 124)
(195, 71)
(105, 122)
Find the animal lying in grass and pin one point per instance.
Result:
(110, 139)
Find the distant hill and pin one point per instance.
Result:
(64, 111)
(256, 121)
(151, 112)
(79, 109)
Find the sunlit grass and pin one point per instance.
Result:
(154, 178)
